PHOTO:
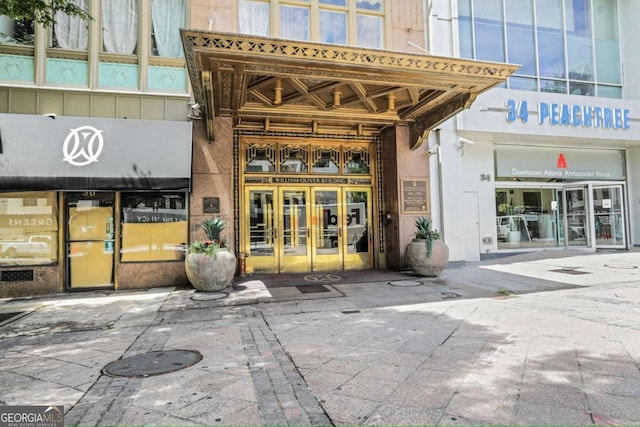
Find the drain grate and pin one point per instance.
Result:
(571, 271)
(5, 317)
(153, 363)
(312, 289)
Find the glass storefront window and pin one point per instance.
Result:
(28, 228)
(154, 226)
(527, 218)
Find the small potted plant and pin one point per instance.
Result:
(209, 264)
(426, 254)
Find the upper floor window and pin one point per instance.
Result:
(563, 46)
(344, 22)
(16, 31)
(71, 32)
(120, 26)
(167, 17)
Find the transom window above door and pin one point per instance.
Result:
(344, 22)
(271, 157)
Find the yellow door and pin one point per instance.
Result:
(293, 230)
(90, 240)
(300, 229)
(260, 230)
(327, 228)
(357, 242)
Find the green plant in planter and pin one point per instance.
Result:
(425, 232)
(212, 228)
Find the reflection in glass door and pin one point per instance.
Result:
(609, 216)
(358, 236)
(327, 230)
(262, 232)
(578, 228)
(90, 240)
(295, 232)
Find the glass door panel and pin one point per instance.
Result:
(578, 226)
(90, 240)
(327, 229)
(357, 217)
(260, 235)
(609, 216)
(294, 231)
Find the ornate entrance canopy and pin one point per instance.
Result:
(271, 84)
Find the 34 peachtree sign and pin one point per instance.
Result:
(572, 115)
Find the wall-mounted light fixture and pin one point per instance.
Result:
(196, 113)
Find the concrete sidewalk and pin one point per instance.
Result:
(549, 338)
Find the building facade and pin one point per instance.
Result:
(320, 130)
(546, 160)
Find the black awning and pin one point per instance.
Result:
(88, 153)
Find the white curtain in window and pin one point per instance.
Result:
(167, 17)
(254, 18)
(72, 32)
(120, 26)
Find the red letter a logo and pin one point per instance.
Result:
(562, 162)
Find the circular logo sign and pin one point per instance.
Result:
(83, 146)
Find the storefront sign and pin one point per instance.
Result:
(559, 163)
(93, 153)
(415, 195)
(572, 115)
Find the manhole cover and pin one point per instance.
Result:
(622, 266)
(208, 296)
(153, 363)
(405, 283)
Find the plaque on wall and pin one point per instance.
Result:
(415, 195)
(211, 205)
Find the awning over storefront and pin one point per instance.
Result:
(273, 84)
(88, 153)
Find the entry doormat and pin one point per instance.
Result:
(312, 289)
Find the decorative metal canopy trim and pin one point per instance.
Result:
(273, 81)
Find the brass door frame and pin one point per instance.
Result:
(277, 231)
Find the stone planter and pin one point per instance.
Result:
(210, 273)
(421, 265)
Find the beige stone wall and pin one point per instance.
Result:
(151, 275)
(212, 176)
(221, 12)
(399, 163)
(407, 23)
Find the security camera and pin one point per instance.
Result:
(195, 106)
(50, 115)
(433, 150)
(464, 141)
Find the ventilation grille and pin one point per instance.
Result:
(16, 276)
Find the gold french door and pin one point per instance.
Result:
(299, 229)
(90, 240)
